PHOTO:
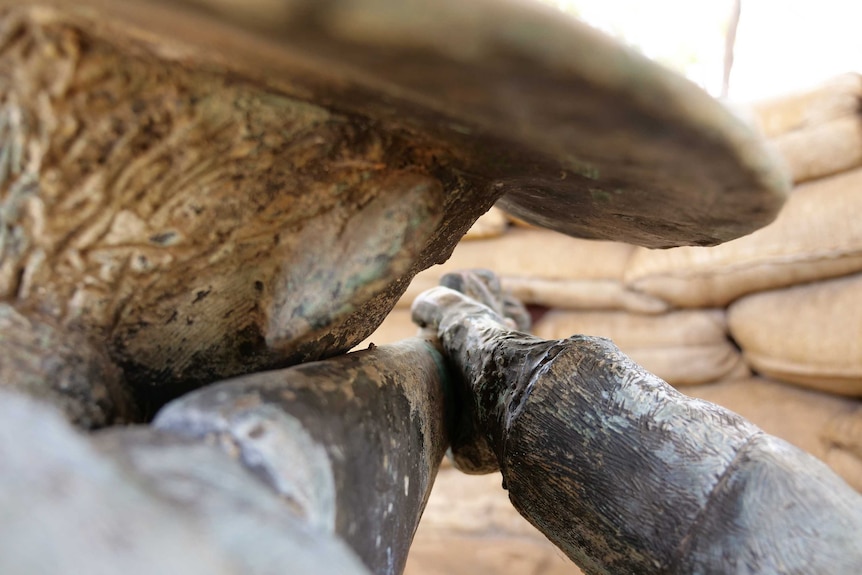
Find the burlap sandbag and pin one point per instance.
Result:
(587, 294)
(817, 235)
(683, 348)
(822, 150)
(542, 254)
(582, 295)
(836, 98)
(809, 334)
(546, 268)
(827, 426)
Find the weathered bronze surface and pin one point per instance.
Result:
(204, 189)
(351, 444)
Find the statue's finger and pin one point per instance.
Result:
(430, 306)
(484, 286)
(479, 284)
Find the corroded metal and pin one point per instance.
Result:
(197, 189)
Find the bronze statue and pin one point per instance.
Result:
(207, 189)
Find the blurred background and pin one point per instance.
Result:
(779, 46)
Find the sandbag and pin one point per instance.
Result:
(809, 334)
(684, 348)
(826, 426)
(589, 294)
(549, 269)
(543, 254)
(582, 295)
(837, 98)
(816, 236)
(822, 150)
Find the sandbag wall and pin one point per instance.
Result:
(769, 325)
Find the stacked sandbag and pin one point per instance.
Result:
(548, 269)
(810, 334)
(793, 290)
(818, 132)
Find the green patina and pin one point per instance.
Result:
(600, 195)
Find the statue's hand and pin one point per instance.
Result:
(468, 312)
(475, 293)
